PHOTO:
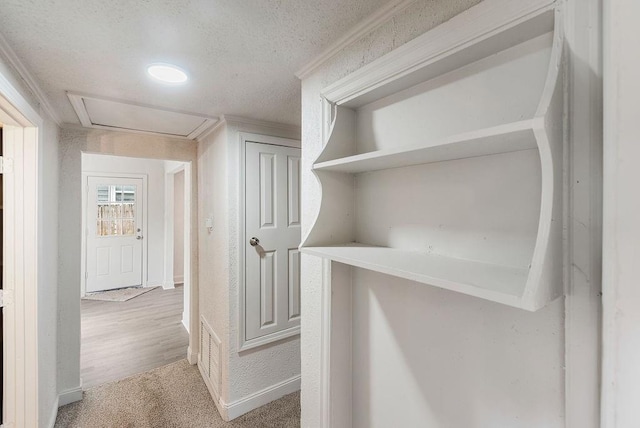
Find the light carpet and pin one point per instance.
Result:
(119, 295)
(173, 396)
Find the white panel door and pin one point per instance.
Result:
(114, 233)
(272, 231)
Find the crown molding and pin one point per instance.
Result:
(27, 77)
(247, 122)
(283, 127)
(360, 30)
(219, 124)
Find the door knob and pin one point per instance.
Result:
(254, 241)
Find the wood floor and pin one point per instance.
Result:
(120, 339)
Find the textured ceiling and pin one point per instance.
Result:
(241, 54)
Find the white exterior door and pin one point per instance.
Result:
(114, 233)
(272, 231)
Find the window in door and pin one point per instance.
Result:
(116, 210)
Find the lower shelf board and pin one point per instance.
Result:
(502, 284)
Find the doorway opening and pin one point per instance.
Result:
(21, 353)
(134, 309)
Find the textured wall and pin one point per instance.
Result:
(249, 372)
(453, 360)
(214, 245)
(73, 142)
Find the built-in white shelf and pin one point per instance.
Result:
(489, 141)
(483, 92)
(503, 284)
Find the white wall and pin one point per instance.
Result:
(621, 305)
(47, 251)
(48, 274)
(214, 245)
(154, 170)
(73, 142)
(429, 357)
(178, 227)
(243, 374)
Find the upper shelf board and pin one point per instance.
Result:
(447, 47)
(499, 139)
(503, 284)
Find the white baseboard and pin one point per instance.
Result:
(54, 414)
(214, 395)
(191, 357)
(260, 398)
(168, 285)
(178, 279)
(185, 323)
(152, 284)
(70, 396)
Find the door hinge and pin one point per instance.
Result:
(6, 298)
(6, 165)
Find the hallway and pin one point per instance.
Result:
(120, 339)
(173, 396)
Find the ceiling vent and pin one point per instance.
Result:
(116, 115)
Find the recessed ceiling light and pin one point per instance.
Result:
(167, 73)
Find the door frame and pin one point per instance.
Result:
(85, 228)
(188, 320)
(243, 343)
(21, 145)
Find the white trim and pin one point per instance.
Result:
(269, 338)
(84, 230)
(54, 414)
(153, 284)
(241, 122)
(583, 33)
(221, 123)
(168, 285)
(191, 254)
(250, 402)
(191, 356)
(16, 107)
(70, 396)
(366, 26)
(78, 106)
(275, 126)
(621, 231)
(244, 344)
(30, 81)
(22, 144)
(77, 102)
(469, 27)
(325, 345)
(169, 280)
(169, 206)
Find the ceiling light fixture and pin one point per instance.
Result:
(167, 73)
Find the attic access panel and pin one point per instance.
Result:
(103, 113)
